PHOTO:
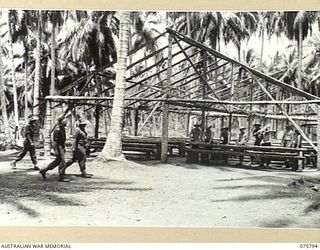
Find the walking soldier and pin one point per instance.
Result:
(58, 145)
(28, 144)
(80, 144)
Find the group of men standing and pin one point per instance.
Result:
(262, 137)
(79, 148)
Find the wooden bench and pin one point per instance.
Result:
(203, 152)
(131, 147)
(150, 145)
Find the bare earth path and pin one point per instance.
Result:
(155, 194)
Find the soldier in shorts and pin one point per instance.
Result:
(58, 145)
(28, 144)
(79, 149)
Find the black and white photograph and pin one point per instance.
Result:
(205, 119)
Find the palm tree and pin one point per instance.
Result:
(113, 146)
(239, 26)
(12, 19)
(89, 39)
(141, 30)
(311, 64)
(37, 76)
(2, 93)
(22, 33)
(89, 43)
(265, 28)
(298, 24)
(56, 21)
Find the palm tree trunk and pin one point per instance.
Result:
(13, 77)
(300, 56)
(113, 146)
(262, 47)
(2, 95)
(53, 69)
(37, 76)
(26, 111)
(188, 24)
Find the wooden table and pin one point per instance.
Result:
(203, 152)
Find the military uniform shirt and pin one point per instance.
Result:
(29, 131)
(59, 136)
(80, 137)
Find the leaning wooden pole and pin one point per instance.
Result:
(149, 116)
(165, 110)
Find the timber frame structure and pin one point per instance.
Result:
(186, 76)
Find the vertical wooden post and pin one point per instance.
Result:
(72, 121)
(47, 135)
(204, 92)
(165, 109)
(249, 117)
(231, 99)
(105, 121)
(188, 123)
(97, 109)
(318, 137)
(97, 120)
(135, 121)
(230, 124)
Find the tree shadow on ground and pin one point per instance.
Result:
(255, 186)
(8, 155)
(277, 192)
(280, 223)
(20, 186)
(264, 178)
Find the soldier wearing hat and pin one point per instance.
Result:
(224, 136)
(195, 133)
(224, 139)
(266, 142)
(208, 135)
(242, 140)
(257, 133)
(288, 135)
(28, 144)
(79, 148)
(58, 145)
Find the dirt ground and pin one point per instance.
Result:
(149, 193)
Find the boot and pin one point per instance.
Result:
(62, 178)
(43, 173)
(13, 164)
(35, 167)
(84, 174)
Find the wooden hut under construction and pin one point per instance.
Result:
(189, 78)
